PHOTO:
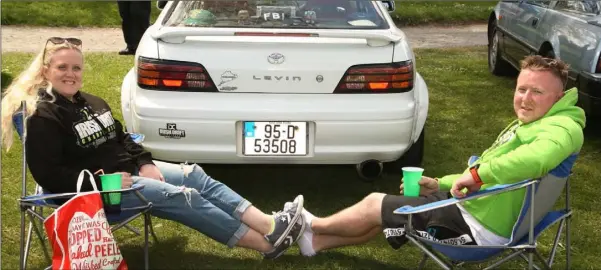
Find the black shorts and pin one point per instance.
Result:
(445, 224)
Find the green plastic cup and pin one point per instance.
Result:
(111, 182)
(411, 177)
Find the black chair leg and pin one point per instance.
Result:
(146, 223)
(422, 263)
(154, 236)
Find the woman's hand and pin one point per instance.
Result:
(126, 180)
(151, 171)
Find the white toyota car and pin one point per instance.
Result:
(278, 82)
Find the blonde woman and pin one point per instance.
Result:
(69, 130)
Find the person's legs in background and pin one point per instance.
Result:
(124, 7)
(141, 12)
(161, 4)
(135, 19)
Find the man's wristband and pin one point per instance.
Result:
(474, 173)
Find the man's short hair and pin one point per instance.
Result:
(555, 66)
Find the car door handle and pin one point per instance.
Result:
(534, 22)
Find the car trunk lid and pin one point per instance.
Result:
(275, 60)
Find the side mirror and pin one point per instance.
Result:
(389, 4)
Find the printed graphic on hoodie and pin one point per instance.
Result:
(95, 129)
(507, 136)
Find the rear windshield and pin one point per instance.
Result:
(309, 14)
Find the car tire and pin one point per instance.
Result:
(496, 64)
(413, 157)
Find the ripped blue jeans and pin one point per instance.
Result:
(191, 197)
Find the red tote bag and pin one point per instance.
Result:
(80, 235)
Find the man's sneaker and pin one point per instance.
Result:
(295, 233)
(284, 221)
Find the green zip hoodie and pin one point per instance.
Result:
(523, 151)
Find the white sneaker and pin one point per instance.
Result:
(305, 242)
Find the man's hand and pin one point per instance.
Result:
(151, 171)
(126, 180)
(427, 185)
(465, 181)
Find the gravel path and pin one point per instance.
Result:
(29, 39)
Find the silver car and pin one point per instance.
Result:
(567, 30)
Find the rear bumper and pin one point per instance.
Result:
(589, 87)
(329, 142)
(342, 129)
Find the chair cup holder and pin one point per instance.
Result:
(109, 204)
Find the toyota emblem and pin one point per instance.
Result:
(276, 58)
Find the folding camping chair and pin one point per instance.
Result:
(33, 205)
(536, 216)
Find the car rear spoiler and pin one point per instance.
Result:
(178, 34)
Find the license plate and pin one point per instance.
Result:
(275, 139)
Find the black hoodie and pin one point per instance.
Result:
(64, 138)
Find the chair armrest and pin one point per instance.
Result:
(133, 188)
(408, 209)
(472, 160)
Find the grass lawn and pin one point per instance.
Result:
(106, 14)
(442, 12)
(468, 108)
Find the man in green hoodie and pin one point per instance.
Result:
(548, 129)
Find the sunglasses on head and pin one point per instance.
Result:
(58, 41)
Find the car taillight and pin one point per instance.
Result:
(378, 78)
(166, 75)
